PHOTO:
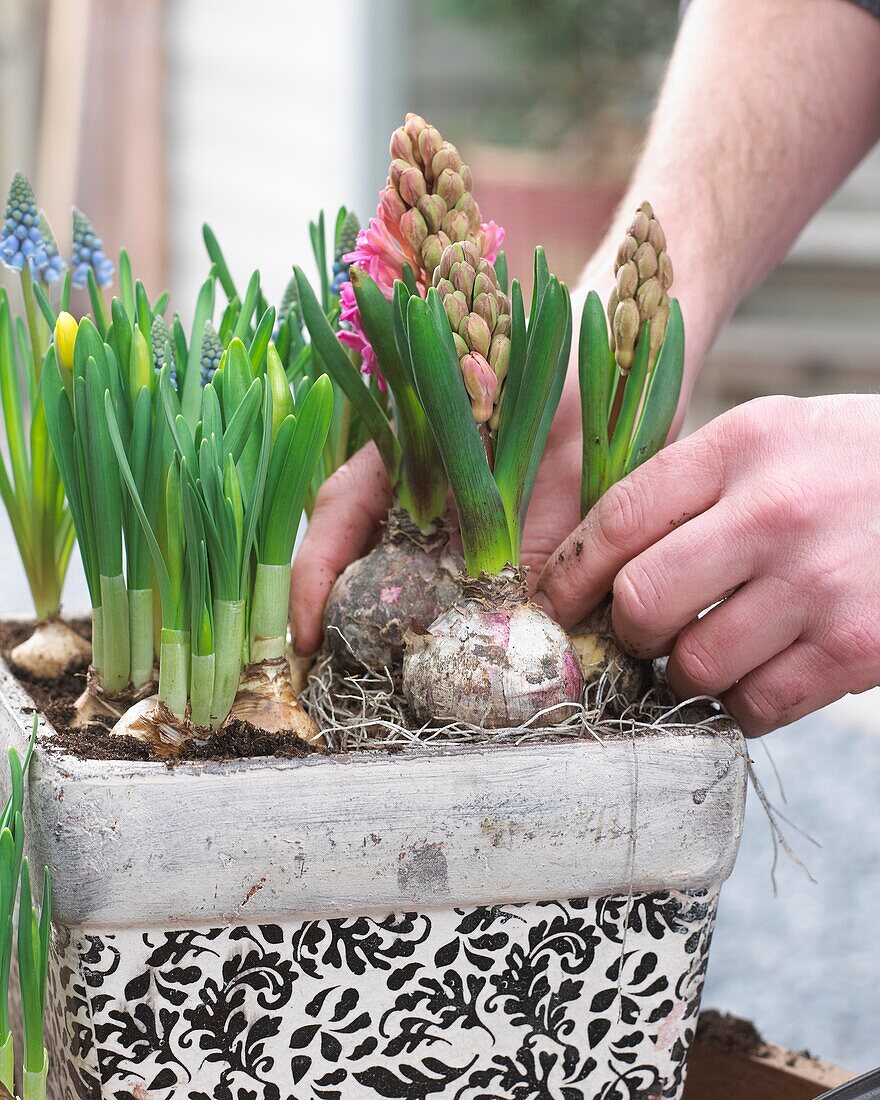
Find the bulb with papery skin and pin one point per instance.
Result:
(492, 659)
(409, 577)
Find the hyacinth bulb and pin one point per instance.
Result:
(408, 577)
(492, 659)
(88, 253)
(21, 241)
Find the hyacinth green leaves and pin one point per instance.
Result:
(492, 498)
(484, 529)
(647, 404)
(630, 377)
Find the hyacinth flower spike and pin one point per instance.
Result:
(30, 483)
(426, 204)
(630, 382)
(493, 658)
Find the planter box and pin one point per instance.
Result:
(461, 922)
(770, 1073)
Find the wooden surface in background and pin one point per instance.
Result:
(776, 1074)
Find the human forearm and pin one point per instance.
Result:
(766, 107)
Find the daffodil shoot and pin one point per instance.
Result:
(30, 484)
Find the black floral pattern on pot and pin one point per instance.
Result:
(591, 998)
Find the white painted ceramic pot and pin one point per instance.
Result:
(473, 923)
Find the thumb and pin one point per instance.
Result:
(350, 506)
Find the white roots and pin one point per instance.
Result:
(492, 659)
(50, 651)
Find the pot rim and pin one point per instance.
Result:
(134, 844)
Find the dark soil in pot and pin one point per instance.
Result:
(237, 741)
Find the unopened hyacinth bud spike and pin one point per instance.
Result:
(212, 352)
(643, 276)
(88, 252)
(479, 315)
(21, 241)
(429, 193)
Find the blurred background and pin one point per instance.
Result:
(157, 115)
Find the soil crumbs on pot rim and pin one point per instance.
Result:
(237, 741)
(729, 1034)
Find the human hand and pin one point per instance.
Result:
(344, 526)
(771, 509)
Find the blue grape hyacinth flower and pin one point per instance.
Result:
(21, 241)
(345, 243)
(56, 266)
(88, 252)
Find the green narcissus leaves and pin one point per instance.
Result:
(294, 456)
(347, 376)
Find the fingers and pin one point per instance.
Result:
(789, 686)
(350, 506)
(679, 483)
(739, 635)
(666, 587)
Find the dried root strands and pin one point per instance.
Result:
(630, 383)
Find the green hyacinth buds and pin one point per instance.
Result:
(479, 315)
(643, 276)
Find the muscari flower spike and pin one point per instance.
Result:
(212, 352)
(20, 239)
(346, 243)
(88, 253)
(56, 266)
(163, 349)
